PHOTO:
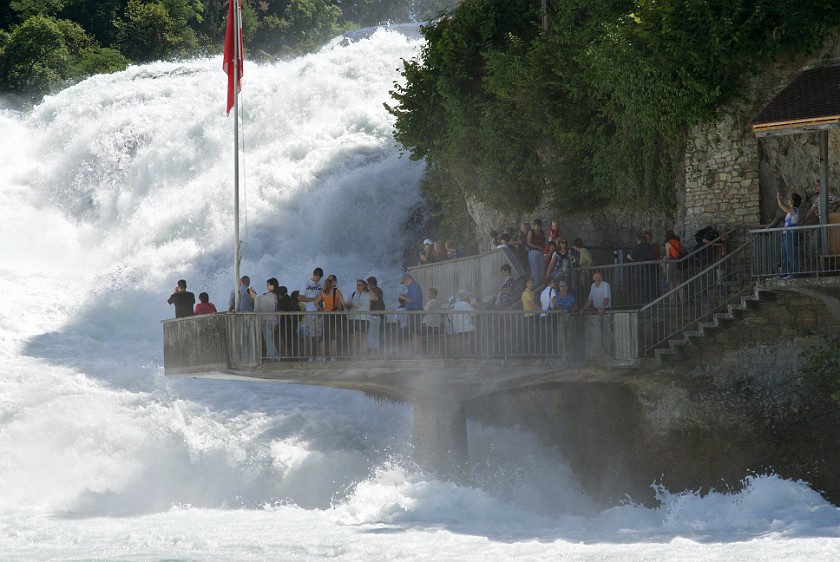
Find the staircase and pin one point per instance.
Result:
(679, 347)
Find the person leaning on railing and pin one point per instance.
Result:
(432, 322)
(529, 300)
(600, 295)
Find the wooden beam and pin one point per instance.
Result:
(797, 123)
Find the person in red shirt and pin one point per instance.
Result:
(204, 305)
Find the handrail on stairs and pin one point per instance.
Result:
(708, 290)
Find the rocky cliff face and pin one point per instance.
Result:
(608, 228)
(735, 406)
(730, 178)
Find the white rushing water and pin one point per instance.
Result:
(117, 187)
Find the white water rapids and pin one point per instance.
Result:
(117, 187)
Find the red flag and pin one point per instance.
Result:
(230, 51)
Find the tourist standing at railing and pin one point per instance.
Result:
(600, 296)
(377, 303)
(535, 245)
(451, 251)
(359, 306)
(548, 303)
(182, 299)
(427, 252)
(247, 295)
(560, 264)
(330, 299)
(504, 298)
(268, 302)
(674, 265)
(790, 265)
(548, 297)
(531, 307)
(654, 247)
(432, 321)
(565, 300)
(704, 250)
(204, 305)
(815, 243)
(462, 322)
(287, 329)
(412, 296)
(439, 251)
(529, 299)
(311, 322)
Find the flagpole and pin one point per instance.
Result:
(237, 26)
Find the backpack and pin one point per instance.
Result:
(708, 233)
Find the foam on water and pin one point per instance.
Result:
(115, 188)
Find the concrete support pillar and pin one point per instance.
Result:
(440, 436)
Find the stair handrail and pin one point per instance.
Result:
(706, 284)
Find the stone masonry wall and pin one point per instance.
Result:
(722, 176)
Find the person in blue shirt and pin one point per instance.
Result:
(412, 296)
(565, 301)
(247, 297)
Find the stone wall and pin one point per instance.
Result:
(731, 177)
(722, 175)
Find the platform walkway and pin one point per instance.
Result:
(479, 353)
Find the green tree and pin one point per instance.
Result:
(295, 27)
(596, 107)
(157, 30)
(42, 53)
(28, 8)
(96, 17)
(445, 111)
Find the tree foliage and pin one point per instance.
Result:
(594, 108)
(44, 51)
(157, 30)
(117, 32)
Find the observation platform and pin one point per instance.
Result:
(478, 353)
(502, 350)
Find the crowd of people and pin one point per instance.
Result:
(319, 336)
(550, 261)
(548, 287)
(435, 251)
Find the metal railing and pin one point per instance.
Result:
(248, 340)
(636, 284)
(652, 302)
(479, 273)
(793, 252)
(705, 291)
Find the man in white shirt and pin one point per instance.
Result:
(312, 322)
(463, 324)
(599, 294)
(548, 297)
(431, 322)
